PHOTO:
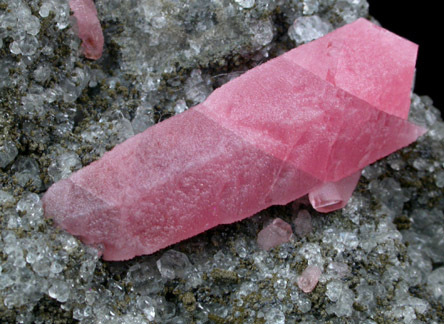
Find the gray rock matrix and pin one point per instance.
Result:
(382, 256)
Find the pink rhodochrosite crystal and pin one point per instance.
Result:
(309, 278)
(88, 27)
(331, 196)
(274, 234)
(292, 126)
(302, 223)
(365, 60)
(348, 62)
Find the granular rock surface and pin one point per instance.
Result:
(381, 256)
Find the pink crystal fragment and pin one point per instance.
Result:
(274, 234)
(302, 223)
(309, 278)
(88, 27)
(276, 133)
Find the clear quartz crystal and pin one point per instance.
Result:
(245, 3)
(31, 208)
(64, 165)
(59, 291)
(6, 197)
(8, 152)
(32, 25)
(42, 73)
(180, 107)
(306, 29)
(143, 118)
(45, 9)
(274, 316)
(262, 33)
(342, 296)
(173, 264)
(310, 7)
(27, 170)
(148, 306)
(28, 45)
(14, 47)
(350, 10)
(439, 179)
(197, 87)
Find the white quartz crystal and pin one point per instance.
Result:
(306, 29)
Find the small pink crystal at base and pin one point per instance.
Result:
(274, 234)
(298, 124)
(302, 223)
(334, 195)
(309, 278)
(88, 27)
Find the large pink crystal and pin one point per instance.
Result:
(279, 131)
(88, 27)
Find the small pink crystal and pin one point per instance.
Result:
(309, 278)
(333, 195)
(274, 234)
(278, 132)
(302, 223)
(89, 28)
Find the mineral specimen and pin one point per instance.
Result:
(314, 116)
(89, 28)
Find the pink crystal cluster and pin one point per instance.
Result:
(88, 27)
(305, 122)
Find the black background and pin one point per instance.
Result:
(421, 22)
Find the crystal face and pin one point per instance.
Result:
(264, 138)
